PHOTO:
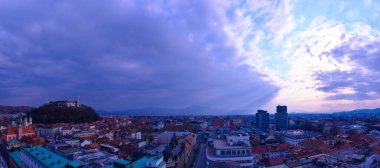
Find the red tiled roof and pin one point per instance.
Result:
(306, 153)
(332, 124)
(27, 129)
(276, 161)
(278, 147)
(259, 149)
(343, 147)
(377, 150)
(217, 123)
(10, 131)
(376, 125)
(316, 144)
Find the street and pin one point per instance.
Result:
(200, 161)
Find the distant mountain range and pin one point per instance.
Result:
(360, 111)
(200, 110)
(191, 110)
(155, 111)
(14, 109)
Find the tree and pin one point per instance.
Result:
(334, 130)
(49, 113)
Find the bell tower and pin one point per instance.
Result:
(19, 131)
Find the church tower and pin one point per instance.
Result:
(26, 121)
(19, 131)
(30, 120)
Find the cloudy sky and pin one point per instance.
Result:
(119, 54)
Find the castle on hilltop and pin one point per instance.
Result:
(65, 103)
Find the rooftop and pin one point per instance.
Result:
(46, 157)
(16, 157)
(141, 163)
(222, 144)
(121, 161)
(299, 134)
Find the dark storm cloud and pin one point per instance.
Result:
(123, 54)
(363, 79)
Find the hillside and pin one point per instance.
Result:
(49, 113)
(14, 109)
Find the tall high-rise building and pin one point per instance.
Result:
(281, 117)
(262, 119)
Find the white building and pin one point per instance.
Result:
(95, 158)
(234, 148)
(67, 131)
(49, 132)
(157, 125)
(293, 137)
(136, 135)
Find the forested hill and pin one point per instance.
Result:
(14, 109)
(50, 113)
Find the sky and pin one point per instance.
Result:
(313, 56)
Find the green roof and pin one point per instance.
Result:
(46, 157)
(121, 161)
(75, 164)
(141, 163)
(13, 141)
(16, 157)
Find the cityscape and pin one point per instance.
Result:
(189, 84)
(280, 139)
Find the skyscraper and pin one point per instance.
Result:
(281, 117)
(262, 119)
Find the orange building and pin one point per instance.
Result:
(22, 130)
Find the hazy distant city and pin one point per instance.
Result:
(189, 84)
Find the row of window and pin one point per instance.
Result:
(235, 152)
(244, 161)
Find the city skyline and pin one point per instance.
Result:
(217, 54)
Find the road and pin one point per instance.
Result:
(200, 161)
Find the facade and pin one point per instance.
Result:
(293, 137)
(157, 125)
(48, 131)
(150, 162)
(65, 103)
(357, 129)
(24, 129)
(234, 148)
(262, 119)
(281, 117)
(84, 134)
(95, 158)
(68, 131)
(136, 135)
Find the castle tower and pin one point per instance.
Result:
(19, 131)
(78, 104)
